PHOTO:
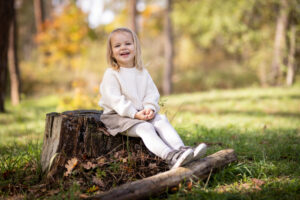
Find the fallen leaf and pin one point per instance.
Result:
(89, 165)
(98, 181)
(83, 196)
(92, 189)
(245, 186)
(174, 189)
(70, 166)
(101, 161)
(189, 185)
(258, 182)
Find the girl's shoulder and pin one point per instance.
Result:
(110, 72)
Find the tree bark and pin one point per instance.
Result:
(169, 51)
(133, 16)
(279, 42)
(154, 185)
(6, 16)
(79, 134)
(13, 62)
(291, 57)
(39, 14)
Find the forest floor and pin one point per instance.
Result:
(262, 125)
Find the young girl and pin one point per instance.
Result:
(130, 102)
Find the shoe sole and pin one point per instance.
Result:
(200, 151)
(186, 157)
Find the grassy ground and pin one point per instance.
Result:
(262, 125)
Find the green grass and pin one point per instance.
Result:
(261, 125)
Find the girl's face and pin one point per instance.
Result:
(123, 49)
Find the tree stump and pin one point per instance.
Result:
(80, 134)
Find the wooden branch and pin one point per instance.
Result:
(154, 185)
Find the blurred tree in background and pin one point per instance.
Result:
(6, 19)
(216, 44)
(63, 38)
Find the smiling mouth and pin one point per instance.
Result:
(125, 54)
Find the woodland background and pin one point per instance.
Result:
(187, 45)
(228, 72)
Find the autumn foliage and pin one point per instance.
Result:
(64, 37)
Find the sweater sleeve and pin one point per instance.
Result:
(152, 95)
(113, 98)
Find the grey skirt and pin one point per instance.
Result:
(117, 124)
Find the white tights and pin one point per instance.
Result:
(158, 135)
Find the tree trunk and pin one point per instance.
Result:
(279, 42)
(154, 185)
(39, 14)
(78, 134)
(6, 16)
(167, 82)
(133, 15)
(48, 9)
(291, 57)
(13, 62)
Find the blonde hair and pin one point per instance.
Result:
(138, 53)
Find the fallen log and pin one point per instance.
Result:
(156, 184)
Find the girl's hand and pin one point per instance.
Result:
(146, 114)
(141, 115)
(149, 113)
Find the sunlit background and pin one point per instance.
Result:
(216, 44)
(234, 84)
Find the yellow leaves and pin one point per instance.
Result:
(80, 100)
(63, 37)
(92, 189)
(150, 10)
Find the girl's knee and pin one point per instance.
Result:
(160, 117)
(145, 126)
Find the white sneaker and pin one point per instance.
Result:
(177, 158)
(199, 151)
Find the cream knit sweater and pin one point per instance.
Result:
(128, 91)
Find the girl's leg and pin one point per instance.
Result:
(150, 138)
(166, 131)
